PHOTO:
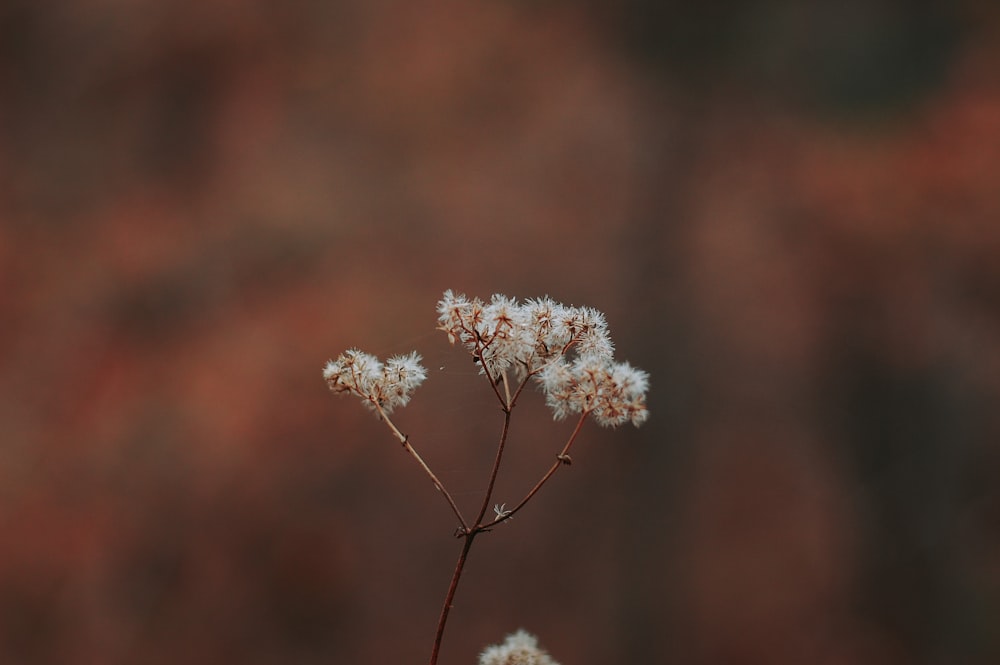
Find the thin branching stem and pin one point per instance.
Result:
(488, 494)
(405, 441)
(561, 459)
(469, 534)
(512, 399)
(450, 597)
(478, 355)
(507, 340)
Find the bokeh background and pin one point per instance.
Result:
(788, 210)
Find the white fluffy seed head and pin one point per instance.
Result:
(567, 349)
(378, 385)
(520, 648)
(613, 393)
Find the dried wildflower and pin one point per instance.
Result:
(527, 336)
(567, 351)
(496, 334)
(614, 393)
(535, 338)
(520, 648)
(378, 385)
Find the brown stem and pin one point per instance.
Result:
(479, 527)
(405, 441)
(459, 566)
(561, 459)
(495, 470)
(470, 534)
(477, 354)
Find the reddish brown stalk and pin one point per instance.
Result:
(470, 534)
(459, 566)
(561, 459)
(494, 380)
(405, 441)
(496, 461)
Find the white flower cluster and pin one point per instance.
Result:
(378, 385)
(534, 339)
(520, 648)
(614, 393)
(505, 333)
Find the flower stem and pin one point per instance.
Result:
(470, 533)
(561, 459)
(495, 470)
(459, 566)
(405, 441)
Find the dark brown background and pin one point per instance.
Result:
(789, 211)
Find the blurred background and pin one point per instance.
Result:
(789, 212)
